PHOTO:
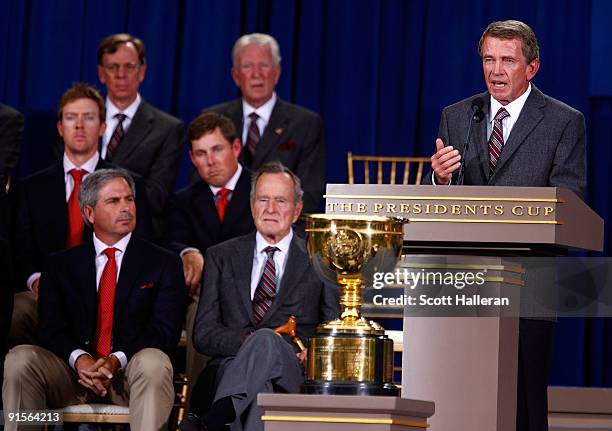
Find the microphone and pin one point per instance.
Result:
(477, 116)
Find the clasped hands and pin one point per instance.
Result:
(97, 374)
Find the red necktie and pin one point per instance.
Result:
(116, 137)
(75, 218)
(496, 141)
(253, 136)
(106, 304)
(266, 288)
(222, 202)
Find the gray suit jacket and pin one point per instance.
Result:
(294, 136)
(152, 148)
(546, 147)
(225, 312)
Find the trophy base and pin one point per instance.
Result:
(349, 388)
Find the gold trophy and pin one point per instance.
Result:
(350, 355)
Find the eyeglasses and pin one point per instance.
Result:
(128, 68)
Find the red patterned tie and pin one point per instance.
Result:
(117, 136)
(253, 135)
(75, 219)
(222, 201)
(266, 288)
(106, 304)
(496, 141)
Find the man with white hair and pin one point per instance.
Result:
(270, 128)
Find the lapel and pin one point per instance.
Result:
(86, 271)
(528, 119)
(239, 203)
(276, 128)
(56, 207)
(234, 112)
(242, 265)
(297, 263)
(133, 259)
(205, 211)
(141, 126)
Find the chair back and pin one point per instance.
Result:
(387, 169)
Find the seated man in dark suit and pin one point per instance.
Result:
(253, 284)
(210, 211)
(139, 137)
(110, 311)
(270, 128)
(48, 216)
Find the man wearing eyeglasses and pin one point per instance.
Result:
(138, 136)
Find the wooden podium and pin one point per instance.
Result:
(468, 365)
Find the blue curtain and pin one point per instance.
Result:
(379, 72)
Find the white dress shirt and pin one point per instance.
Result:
(260, 257)
(101, 260)
(514, 108)
(89, 166)
(264, 112)
(111, 121)
(230, 185)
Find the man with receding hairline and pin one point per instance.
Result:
(209, 211)
(270, 128)
(253, 284)
(139, 137)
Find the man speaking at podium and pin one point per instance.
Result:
(516, 136)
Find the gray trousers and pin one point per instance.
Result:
(264, 363)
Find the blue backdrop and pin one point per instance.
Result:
(379, 72)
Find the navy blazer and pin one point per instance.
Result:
(149, 300)
(192, 219)
(42, 217)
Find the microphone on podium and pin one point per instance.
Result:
(477, 117)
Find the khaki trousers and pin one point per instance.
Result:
(35, 379)
(24, 319)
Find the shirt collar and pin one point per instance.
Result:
(264, 111)
(231, 184)
(514, 108)
(129, 112)
(120, 245)
(89, 165)
(282, 245)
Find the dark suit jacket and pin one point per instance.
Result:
(11, 133)
(294, 135)
(192, 219)
(225, 312)
(546, 147)
(42, 217)
(149, 300)
(153, 147)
